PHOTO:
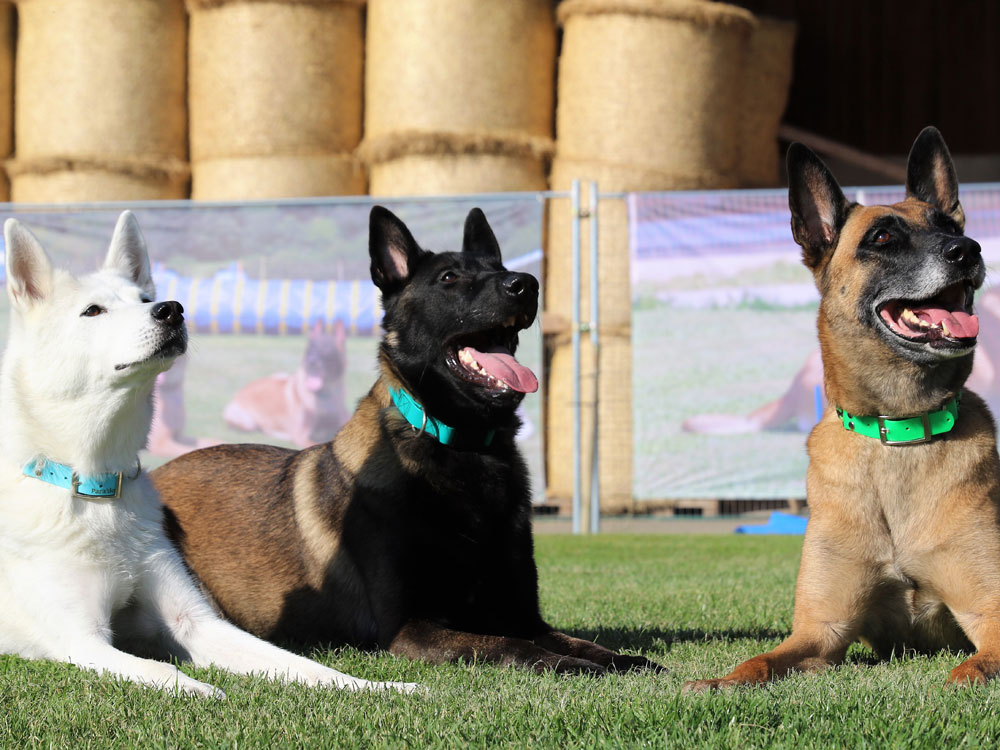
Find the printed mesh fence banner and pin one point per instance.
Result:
(283, 316)
(727, 374)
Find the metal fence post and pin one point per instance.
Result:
(595, 466)
(575, 334)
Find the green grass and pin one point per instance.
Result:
(696, 604)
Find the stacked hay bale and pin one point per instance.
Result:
(275, 97)
(767, 77)
(6, 89)
(458, 95)
(649, 96)
(99, 101)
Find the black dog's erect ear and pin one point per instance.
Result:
(392, 249)
(931, 176)
(819, 208)
(479, 235)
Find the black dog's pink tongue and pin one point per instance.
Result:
(501, 364)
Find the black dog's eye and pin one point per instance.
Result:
(881, 237)
(92, 311)
(449, 277)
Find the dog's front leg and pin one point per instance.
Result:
(976, 608)
(68, 620)
(560, 643)
(178, 608)
(421, 639)
(831, 597)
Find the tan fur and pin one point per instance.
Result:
(321, 542)
(903, 545)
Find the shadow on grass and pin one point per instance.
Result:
(644, 639)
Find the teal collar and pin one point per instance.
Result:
(420, 420)
(920, 428)
(102, 486)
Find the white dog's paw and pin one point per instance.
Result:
(189, 686)
(346, 682)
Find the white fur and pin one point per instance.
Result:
(79, 577)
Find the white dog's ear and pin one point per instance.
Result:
(29, 270)
(127, 253)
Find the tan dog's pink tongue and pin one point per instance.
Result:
(501, 364)
(960, 324)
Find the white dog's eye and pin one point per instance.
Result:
(92, 311)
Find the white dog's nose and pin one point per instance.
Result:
(169, 313)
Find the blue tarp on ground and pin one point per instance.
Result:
(778, 523)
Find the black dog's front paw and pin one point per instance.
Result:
(570, 665)
(626, 663)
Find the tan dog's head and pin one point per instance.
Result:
(896, 281)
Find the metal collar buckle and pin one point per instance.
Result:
(925, 420)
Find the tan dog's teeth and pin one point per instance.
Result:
(909, 316)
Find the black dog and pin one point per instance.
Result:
(411, 531)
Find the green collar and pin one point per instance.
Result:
(920, 428)
(420, 420)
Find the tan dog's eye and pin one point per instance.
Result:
(882, 236)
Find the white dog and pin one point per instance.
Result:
(84, 559)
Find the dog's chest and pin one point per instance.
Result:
(103, 544)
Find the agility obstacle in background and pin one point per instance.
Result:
(229, 302)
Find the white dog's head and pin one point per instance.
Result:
(83, 353)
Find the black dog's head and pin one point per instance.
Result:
(902, 275)
(452, 321)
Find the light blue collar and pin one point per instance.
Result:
(420, 420)
(104, 486)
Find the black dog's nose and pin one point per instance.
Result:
(962, 250)
(169, 313)
(519, 284)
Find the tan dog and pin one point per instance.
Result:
(903, 544)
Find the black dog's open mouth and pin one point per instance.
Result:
(945, 320)
(487, 360)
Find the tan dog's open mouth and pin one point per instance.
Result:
(943, 320)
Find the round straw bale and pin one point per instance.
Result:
(279, 77)
(766, 79)
(53, 180)
(460, 66)
(654, 83)
(101, 78)
(263, 177)
(427, 163)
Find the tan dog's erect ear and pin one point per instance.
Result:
(127, 253)
(29, 270)
(819, 208)
(931, 176)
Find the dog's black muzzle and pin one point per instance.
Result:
(964, 252)
(521, 289)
